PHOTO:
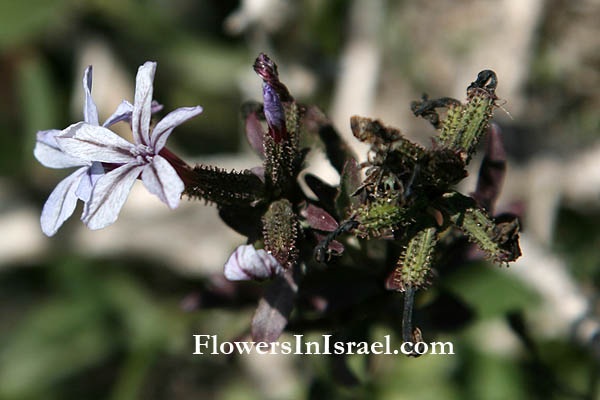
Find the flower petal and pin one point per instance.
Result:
(50, 155)
(160, 179)
(140, 119)
(123, 112)
(109, 195)
(84, 191)
(247, 263)
(95, 143)
(90, 112)
(165, 126)
(61, 203)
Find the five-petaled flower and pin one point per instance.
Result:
(108, 164)
(125, 160)
(63, 199)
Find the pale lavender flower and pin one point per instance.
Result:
(95, 143)
(63, 199)
(247, 263)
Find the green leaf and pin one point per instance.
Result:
(490, 291)
(57, 340)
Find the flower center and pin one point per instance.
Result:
(143, 153)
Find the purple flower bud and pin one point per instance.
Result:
(267, 70)
(274, 113)
(247, 263)
(265, 67)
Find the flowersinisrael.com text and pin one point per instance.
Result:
(209, 344)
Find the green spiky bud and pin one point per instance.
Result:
(283, 160)
(414, 265)
(280, 231)
(292, 119)
(498, 241)
(466, 124)
(380, 214)
(241, 189)
(450, 126)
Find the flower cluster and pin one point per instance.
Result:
(108, 164)
(405, 198)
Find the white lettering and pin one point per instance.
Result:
(199, 344)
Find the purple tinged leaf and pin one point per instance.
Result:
(61, 203)
(336, 247)
(247, 263)
(95, 143)
(165, 126)
(109, 195)
(492, 170)
(260, 172)
(88, 180)
(495, 145)
(255, 134)
(160, 179)
(349, 183)
(50, 155)
(319, 219)
(274, 308)
(140, 119)
(90, 112)
(353, 174)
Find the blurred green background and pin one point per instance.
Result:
(96, 315)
